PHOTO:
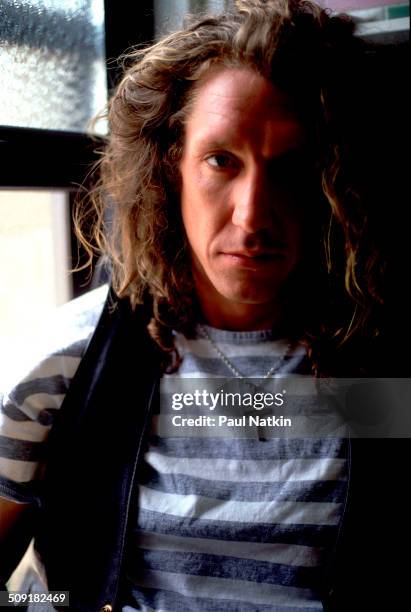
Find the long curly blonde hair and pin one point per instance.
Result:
(134, 206)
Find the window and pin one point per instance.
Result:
(52, 63)
(34, 258)
(53, 75)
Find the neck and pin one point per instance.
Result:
(241, 316)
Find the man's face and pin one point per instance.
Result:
(239, 205)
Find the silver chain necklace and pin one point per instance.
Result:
(230, 364)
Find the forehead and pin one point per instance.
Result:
(240, 108)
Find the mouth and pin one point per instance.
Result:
(254, 259)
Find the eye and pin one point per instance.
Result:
(221, 161)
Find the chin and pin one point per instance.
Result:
(249, 295)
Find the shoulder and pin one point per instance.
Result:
(59, 343)
(38, 381)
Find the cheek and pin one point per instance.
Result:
(204, 204)
(189, 198)
(194, 215)
(210, 191)
(290, 208)
(294, 230)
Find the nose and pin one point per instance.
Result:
(252, 202)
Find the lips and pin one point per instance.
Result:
(255, 254)
(254, 260)
(275, 250)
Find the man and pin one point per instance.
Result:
(222, 177)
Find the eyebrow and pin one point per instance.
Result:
(214, 143)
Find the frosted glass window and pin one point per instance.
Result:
(52, 63)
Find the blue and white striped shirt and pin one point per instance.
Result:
(226, 521)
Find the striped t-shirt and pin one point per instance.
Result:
(225, 519)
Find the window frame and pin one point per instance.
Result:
(48, 159)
